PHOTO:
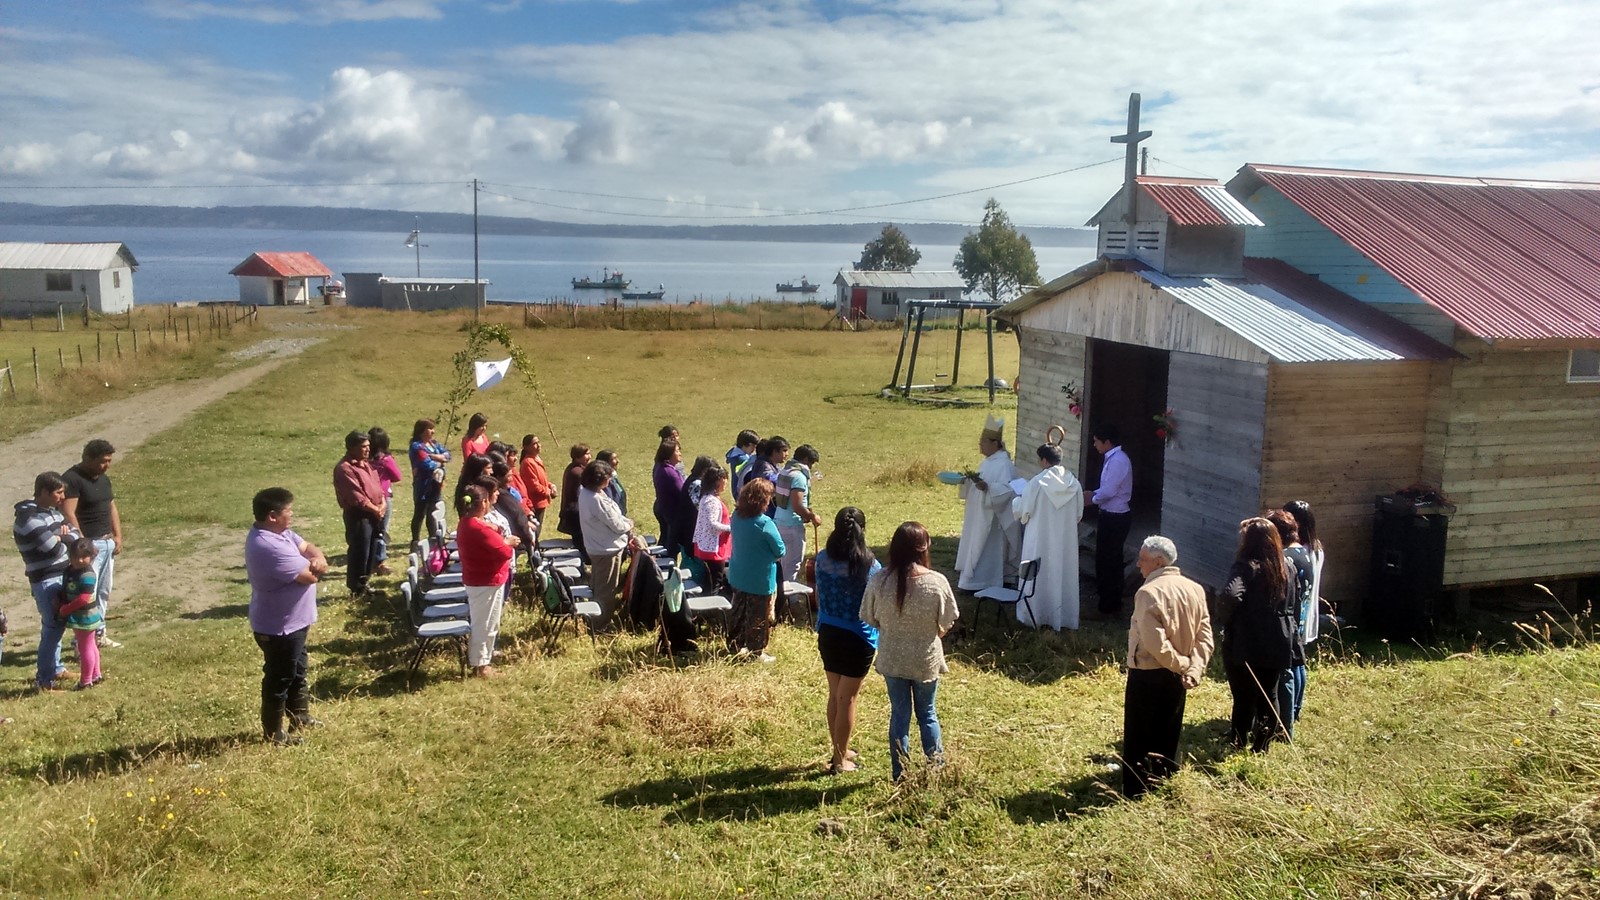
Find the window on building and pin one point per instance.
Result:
(116, 278)
(936, 295)
(1584, 365)
(891, 298)
(58, 281)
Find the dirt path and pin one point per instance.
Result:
(127, 423)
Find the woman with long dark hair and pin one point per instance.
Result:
(485, 569)
(846, 644)
(1256, 613)
(382, 461)
(428, 459)
(476, 440)
(912, 607)
(668, 481)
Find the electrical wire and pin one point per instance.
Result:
(210, 187)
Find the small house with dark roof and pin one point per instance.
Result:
(278, 279)
(46, 278)
(1333, 336)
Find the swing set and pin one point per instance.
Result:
(918, 309)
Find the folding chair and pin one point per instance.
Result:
(561, 605)
(794, 592)
(429, 631)
(1027, 580)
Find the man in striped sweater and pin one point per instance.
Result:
(43, 535)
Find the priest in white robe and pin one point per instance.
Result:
(989, 547)
(1049, 511)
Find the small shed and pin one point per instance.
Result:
(44, 278)
(426, 294)
(883, 295)
(279, 278)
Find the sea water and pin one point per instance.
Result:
(179, 264)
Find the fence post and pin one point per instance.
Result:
(61, 319)
(61, 357)
(135, 341)
(118, 336)
(97, 356)
(187, 333)
(80, 356)
(147, 333)
(35, 369)
(11, 375)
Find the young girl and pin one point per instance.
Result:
(485, 568)
(77, 607)
(476, 440)
(388, 476)
(713, 537)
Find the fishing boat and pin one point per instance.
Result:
(806, 286)
(611, 281)
(657, 294)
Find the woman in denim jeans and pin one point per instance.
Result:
(912, 607)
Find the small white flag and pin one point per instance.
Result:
(490, 373)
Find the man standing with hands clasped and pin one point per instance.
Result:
(283, 570)
(91, 510)
(360, 495)
(1169, 645)
(1116, 518)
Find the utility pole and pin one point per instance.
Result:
(477, 286)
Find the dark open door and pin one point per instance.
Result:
(1128, 388)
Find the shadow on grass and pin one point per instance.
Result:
(752, 792)
(118, 760)
(232, 611)
(1082, 796)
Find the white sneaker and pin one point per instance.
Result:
(767, 658)
(107, 643)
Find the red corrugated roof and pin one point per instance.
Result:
(1504, 259)
(1196, 201)
(297, 264)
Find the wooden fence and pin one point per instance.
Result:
(156, 329)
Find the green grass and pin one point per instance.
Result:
(604, 771)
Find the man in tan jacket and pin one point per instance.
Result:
(1169, 645)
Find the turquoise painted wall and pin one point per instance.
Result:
(1301, 241)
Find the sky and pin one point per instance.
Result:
(770, 111)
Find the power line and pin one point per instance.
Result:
(196, 187)
(1168, 162)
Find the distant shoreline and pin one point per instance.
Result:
(322, 218)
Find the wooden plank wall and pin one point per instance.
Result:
(1519, 460)
(1049, 360)
(1211, 470)
(1338, 435)
(1122, 307)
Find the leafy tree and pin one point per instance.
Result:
(997, 258)
(890, 251)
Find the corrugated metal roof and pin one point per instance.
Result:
(1503, 259)
(297, 264)
(936, 279)
(1284, 329)
(65, 257)
(1196, 201)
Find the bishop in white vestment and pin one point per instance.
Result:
(1049, 510)
(989, 547)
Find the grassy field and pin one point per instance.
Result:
(601, 770)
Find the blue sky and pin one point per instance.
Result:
(779, 110)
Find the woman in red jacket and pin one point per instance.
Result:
(485, 569)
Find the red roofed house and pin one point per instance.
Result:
(278, 279)
(1332, 336)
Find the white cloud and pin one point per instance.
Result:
(603, 136)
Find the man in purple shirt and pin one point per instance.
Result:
(1115, 521)
(283, 570)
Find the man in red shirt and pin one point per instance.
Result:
(360, 495)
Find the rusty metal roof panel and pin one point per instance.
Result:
(1504, 259)
(1197, 201)
(65, 256)
(296, 264)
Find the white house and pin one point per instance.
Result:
(278, 279)
(40, 278)
(882, 295)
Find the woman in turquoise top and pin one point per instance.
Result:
(752, 572)
(846, 644)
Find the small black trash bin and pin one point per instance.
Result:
(1408, 543)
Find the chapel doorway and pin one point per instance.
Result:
(1127, 388)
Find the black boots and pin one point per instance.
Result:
(272, 724)
(299, 709)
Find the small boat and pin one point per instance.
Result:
(806, 286)
(657, 294)
(611, 281)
